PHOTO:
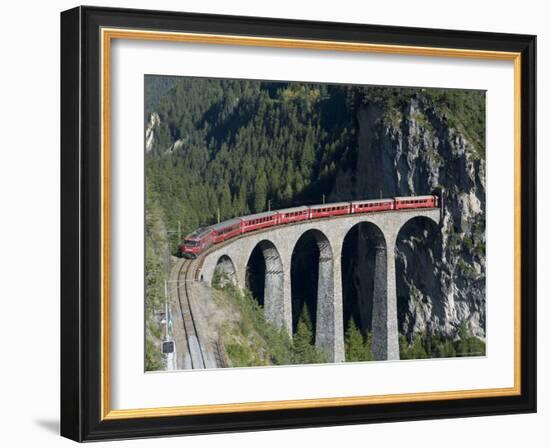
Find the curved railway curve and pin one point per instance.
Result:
(196, 354)
(192, 303)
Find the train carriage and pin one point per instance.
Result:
(374, 205)
(410, 202)
(293, 214)
(194, 243)
(326, 210)
(226, 230)
(258, 221)
(198, 241)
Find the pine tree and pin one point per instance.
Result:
(225, 203)
(354, 343)
(356, 347)
(303, 341)
(260, 192)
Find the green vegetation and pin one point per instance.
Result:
(466, 270)
(435, 345)
(462, 110)
(467, 344)
(251, 341)
(232, 145)
(156, 270)
(303, 349)
(357, 347)
(243, 142)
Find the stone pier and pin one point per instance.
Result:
(277, 245)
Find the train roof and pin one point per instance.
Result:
(371, 201)
(303, 208)
(331, 204)
(259, 215)
(224, 224)
(404, 198)
(199, 233)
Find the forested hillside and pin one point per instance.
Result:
(230, 147)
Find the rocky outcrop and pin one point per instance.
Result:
(414, 150)
(150, 131)
(153, 141)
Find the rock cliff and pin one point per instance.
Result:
(414, 149)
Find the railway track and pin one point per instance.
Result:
(198, 355)
(194, 347)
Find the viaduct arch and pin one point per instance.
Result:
(277, 245)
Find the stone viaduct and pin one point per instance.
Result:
(277, 245)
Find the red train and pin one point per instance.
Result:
(196, 242)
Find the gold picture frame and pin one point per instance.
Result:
(108, 26)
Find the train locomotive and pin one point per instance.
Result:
(201, 239)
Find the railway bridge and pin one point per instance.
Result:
(277, 245)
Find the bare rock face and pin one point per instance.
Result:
(150, 130)
(440, 271)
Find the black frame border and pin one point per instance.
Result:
(81, 223)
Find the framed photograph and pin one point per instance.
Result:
(276, 224)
